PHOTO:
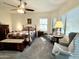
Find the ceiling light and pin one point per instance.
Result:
(20, 10)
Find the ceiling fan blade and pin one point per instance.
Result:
(9, 4)
(29, 9)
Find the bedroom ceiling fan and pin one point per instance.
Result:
(21, 8)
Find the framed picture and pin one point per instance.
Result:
(29, 21)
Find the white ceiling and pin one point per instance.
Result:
(37, 5)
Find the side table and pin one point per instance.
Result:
(58, 37)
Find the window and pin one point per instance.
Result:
(43, 24)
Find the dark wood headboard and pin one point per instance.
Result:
(4, 30)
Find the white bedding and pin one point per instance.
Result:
(21, 33)
(12, 40)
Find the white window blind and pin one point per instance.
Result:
(43, 24)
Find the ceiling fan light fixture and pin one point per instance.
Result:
(20, 10)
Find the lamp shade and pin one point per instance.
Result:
(58, 24)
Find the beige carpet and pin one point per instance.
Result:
(40, 49)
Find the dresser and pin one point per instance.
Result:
(4, 30)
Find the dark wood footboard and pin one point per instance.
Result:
(13, 46)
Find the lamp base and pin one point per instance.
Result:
(58, 31)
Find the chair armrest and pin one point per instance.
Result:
(60, 49)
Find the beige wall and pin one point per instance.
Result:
(5, 18)
(21, 19)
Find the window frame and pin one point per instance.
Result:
(45, 23)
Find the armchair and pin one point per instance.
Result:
(62, 51)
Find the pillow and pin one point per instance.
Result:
(57, 49)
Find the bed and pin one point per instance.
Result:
(18, 39)
(27, 32)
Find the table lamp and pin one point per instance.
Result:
(58, 26)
